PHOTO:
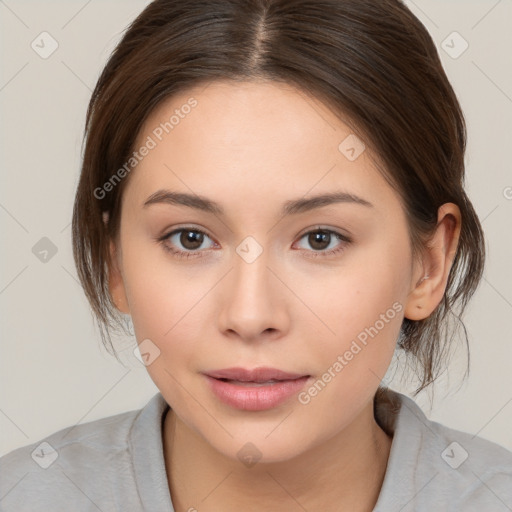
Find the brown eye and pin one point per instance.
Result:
(324, 242)
(186, 242)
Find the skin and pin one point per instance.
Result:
(250, 147)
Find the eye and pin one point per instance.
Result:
(188, 240)
(324, 242)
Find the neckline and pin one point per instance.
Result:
(393, 411)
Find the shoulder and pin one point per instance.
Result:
(435, 467)
(476, 471)
(67, 468)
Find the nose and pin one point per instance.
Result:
(252, 301)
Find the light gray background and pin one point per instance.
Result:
(53, 371)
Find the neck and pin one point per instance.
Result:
(342, 473)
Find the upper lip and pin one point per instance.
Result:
(261, 374)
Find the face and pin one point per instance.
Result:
(249, 272)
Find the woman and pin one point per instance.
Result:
(273, 192)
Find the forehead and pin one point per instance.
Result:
(242, 115)
(258, 139)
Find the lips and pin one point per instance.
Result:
(258, 389)
(256, 375)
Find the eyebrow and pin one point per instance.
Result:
(291, 207)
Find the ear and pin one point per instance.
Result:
(430, 278)
(116, 282)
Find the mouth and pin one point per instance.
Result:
(256, 375)
(255, 389)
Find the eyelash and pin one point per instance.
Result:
(197, 254)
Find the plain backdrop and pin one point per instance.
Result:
(53, 370)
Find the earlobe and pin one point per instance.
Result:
(116, 283)
(429, 290)
(415, 308)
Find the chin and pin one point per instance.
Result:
(253, 450)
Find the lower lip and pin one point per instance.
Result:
(252, 397)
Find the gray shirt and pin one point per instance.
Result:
(116, 464)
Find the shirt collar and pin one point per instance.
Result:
(146, 445)
(393, 411)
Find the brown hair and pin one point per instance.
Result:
(370, 61)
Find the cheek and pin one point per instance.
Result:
(164, 303)
(365, 315)
(155, 287)
(165, 310)
(362, 304)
